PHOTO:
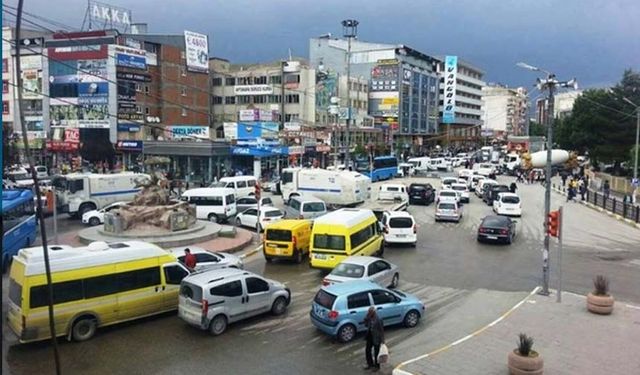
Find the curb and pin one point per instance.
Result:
(251, 253)
(240, 246)
(398, 371)
(600, 209)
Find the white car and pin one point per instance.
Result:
(449, 211)
(96, 217)
(251, 218)
(465, 173)
(445, 182)
(508, 204)
(473, 181)
(479, 190)
(463, 190)
(399, 227)
(206, 260)
(448, 195)
(366, 268)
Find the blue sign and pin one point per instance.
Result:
(128, 127)
(129, 146)
(254, 130)
(450, 80)
(93, 93)
(260, 152)
(131, 61)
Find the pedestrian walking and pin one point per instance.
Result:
(189, 259)
(582, 186)
(606, 188)
(374, 337)
(563, 176)
(513, 187)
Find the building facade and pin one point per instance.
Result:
(460, 102)
(504, 111)
(563, 105)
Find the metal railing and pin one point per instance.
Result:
(616, 205)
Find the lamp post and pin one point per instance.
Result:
(551, 84)
(349, 31)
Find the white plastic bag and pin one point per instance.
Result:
(383, 355)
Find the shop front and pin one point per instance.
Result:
(261, 161)
(129, 153)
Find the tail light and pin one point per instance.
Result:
(205, 307)
(333, 315)
(504, 231)
(415, 229)
(482, 230)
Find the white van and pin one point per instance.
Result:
(242, 185)
(305, 207)
(213, 204)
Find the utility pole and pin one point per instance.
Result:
(551, 84)
(350, 30)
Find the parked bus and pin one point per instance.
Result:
(19, 223)
(384, 168)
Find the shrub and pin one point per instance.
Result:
(525, 343)
(601, 286)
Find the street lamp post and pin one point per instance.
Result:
(350, 30)
(550, 83)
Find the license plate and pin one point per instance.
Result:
(272, 245)
(278, 251)
(401, 235)
(319, 256)
(492, 237)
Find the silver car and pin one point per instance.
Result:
(245, 203)
(449, 211)
(367, 268)
(212, 299)
(206, 260)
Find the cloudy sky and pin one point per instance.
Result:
(592, 40)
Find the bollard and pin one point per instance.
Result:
(638, 214)
(624, 210)
(604, 201)
(595, 198)
(614, 206)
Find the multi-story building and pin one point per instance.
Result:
(504, 111)
(403, 86)
(563, 105)
(460, 103)
(7, 80)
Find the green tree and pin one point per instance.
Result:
(537, 129)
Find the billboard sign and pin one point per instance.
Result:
(93, 93)
(128, 127)
(92, 70)
(450, 76)
(230, 130)
(31, 84)
(137, 77)
(130, 57)
(131, 116)
(128, 145)
(384, 77)
(248, 115)
(197, 51)
(188, 131)
(253, 90)
(104, 15)
(79, 116)
(384, 103)
(256, 130)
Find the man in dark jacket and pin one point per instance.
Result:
(375, 338)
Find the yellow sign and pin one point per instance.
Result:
(387, 62)
(390, 101)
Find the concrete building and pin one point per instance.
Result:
(403, 86)
(504, 111)
(563, 105)
(461, 86)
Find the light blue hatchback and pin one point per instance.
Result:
(339, 309)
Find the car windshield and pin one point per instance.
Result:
(448, 193)
(273, 213)
(219, 184)
(313, 207)
(494, 222)
(348, 270)
(400, 222)
(328, 241)
(449, 180)
(324, 299)
(510, 199)
(459, 187)
(447, 206)
(278, 235)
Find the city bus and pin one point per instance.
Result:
(18, 223)
(384, 168)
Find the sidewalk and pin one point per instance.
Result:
(570, 339)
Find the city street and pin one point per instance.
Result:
(449, 270)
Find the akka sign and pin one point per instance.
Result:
(450, 78)
(106, 14)
(197, 51)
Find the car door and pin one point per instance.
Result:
(357, 305)
(172, 274)
(384, 270)
(387, 306)
(249, 218)
(496, 204)
(232, 296)
(206, 261)
(258, 298)
(374, 274)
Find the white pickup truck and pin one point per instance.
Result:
(388, 197)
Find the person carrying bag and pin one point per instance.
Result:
(375, 338)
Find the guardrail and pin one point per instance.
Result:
(622, 207)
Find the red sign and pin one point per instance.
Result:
(72, 135)
(63, 146)
(82, 52)
(323, 148)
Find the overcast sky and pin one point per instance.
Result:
(592, 40)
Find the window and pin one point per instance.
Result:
(362, 236)
(292, 98)
(328, 241)
(15, 292)
(206, 201)
(251, 183)
(275, 98)
(146, 110)
(174, 274)
(357, 300)
(260, 80)
(324, 299)
(295, 204)
(100, 286)
(251, 211)
(184, 112)
(348, 270)
(5, 108)
(138, 87)
(380, 297)
(244, 99)
(183, 71)
(183, 91)
(256, 285)
(278, 235)
(230, 81)
(230, 100)
(232, 289)
(138, 109)
(5, 65)
(216, 99)
(62, 292)
(292, 117)
(138, 279)
(216, 82)
(241, 184)
(230, 199)
(275, 79)
(260, 99)
(191, 291)
(146, 89)
(5, 86)
(401, 222)
(206, 258)
(313, 207)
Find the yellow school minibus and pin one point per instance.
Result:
(343, 233)
(93, 286)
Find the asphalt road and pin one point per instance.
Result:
(445, 269)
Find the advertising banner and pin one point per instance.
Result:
(188, 131)
(93, 93)
(230, 130)
(127, 145)
(75, 52)
(92, 70)
(197, 51)
(137, 77)
(384, 78)
(128, 127)
(131, 116)
(106, 14)
(255, 130)
(248, 115)
(253, 90)
(130, 57)
(85, 116)
(450, 76)
(292, 126)
(31, 84)
(384, 103)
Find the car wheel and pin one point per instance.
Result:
(94, 221)
(298, 256)
(85, 208)
(346, 333)
(212, 218)
(510, 239)
(279, 306)
(84, 329)
(218, 325)
(395, 280)
(411, 319)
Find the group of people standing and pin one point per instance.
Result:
(576, 185)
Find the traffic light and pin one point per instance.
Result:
(553, 223)
(257, 191)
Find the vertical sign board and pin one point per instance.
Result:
(450, 76)
(196, 52)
